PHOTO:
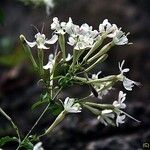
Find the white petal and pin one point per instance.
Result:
(128, 84)
(126, 70)
(31, 44)
(120, 119)
(116, 104)
(107, 111)
(52, 40)
(42, 46)
(72, 41)
(48, 66)
(68, 103)
(68, 57)
(38, 146)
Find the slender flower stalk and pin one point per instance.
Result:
(58, 120)
(28, 51)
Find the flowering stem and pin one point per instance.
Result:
(28, 51)
(62, 46)
(97, 44)
(101, 106)
(13, 124)
(103, 50)
(100, 60)
(75, 58)
(40, 58)
(93, 110)
(105, 79)
(59, 119)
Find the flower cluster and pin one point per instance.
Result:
(64, 70)
(85, 39)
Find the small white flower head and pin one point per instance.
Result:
(57, 26)
(121, 98)
(120, 38)
(50, 63)
(108, 29)
(71, 28)
(106, 116)
(80, 37)
(120, 119)
(127, 83)
(41, 41)
(100, 87)
(70, 105)
(38, 146)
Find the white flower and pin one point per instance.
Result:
(120, 119)
(71, 28)
(80, 37)
(57, 26)
(38, 146)
(120, 38)
(121, 99)
(108, 29)
(50, 63)
(70, 105)
(106, 116)
(127, 83)
(100, 87)
(40, 41)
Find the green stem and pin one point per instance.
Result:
(13, 124)
(28, 52)
(105, 79)
(96, 45)
(93, 110)
(62, 46)
(100, 60)
(75, 58)
(40, 58)
(59, 119)
(44, 111)
(103, 50)
(101, 106)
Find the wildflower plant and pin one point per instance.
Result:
(64, 70)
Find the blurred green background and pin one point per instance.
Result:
(18, 88)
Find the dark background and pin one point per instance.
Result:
(18, 88)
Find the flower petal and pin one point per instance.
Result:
(31, 44)
(52, 40)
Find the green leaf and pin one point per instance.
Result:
(28, 145)
(43, 100)
(55, 109)
(7, 139)
(38, 104)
